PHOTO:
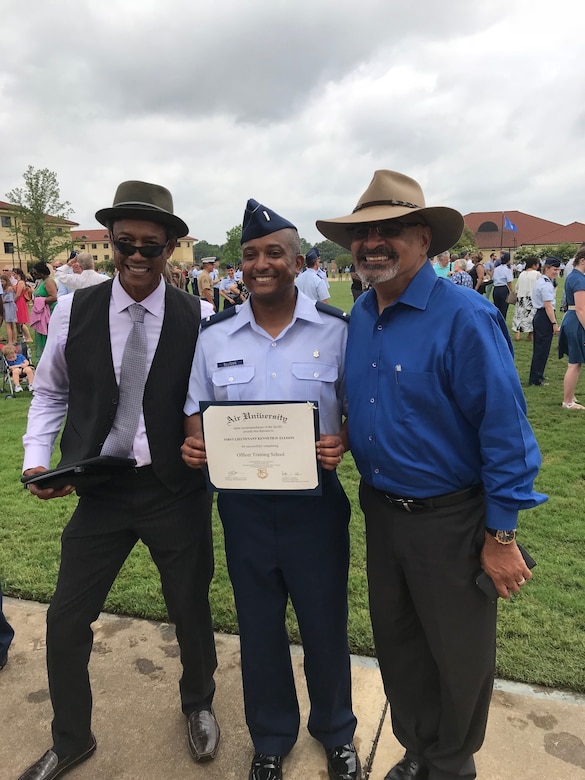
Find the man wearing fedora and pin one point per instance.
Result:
(445, 466)
(281, 346)
(105, 368)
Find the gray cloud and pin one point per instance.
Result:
(295, 103)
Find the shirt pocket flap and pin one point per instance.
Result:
(232, 375)
(320, 372)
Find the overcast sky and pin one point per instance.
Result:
(296, 102)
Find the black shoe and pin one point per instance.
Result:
(343, 763)
(203, 734)
(406, 769)
(266, 767)
(3, 660)
(50, 766)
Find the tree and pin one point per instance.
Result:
(562, 251)
(204, 249)
(231, 251)
(38, 216)
(305, 246)
(466, 242)
(329, 251)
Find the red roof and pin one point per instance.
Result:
(93, 236)
(8, 206)
(527, 228)
(567, 234)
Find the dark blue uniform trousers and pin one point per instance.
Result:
(298, 546)
(107, 523)
(542, 339)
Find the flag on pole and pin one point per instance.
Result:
(509, 225)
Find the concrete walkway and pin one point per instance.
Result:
(532, 734)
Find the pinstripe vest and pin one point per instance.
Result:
(93, 390)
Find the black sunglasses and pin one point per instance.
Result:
(389, 229)
(148, 250)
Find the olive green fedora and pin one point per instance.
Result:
(141, 200)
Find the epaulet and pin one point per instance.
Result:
(332, 310)
(219, 317)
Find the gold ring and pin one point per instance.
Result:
(522, 581)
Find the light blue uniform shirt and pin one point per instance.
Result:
(236, 360)
(435, 403)
(502, 275)
(543, 290)
(312, 285)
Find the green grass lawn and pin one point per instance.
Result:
(541, 633)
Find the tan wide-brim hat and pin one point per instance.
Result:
(141, 200)
(392, 195)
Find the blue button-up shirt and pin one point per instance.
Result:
(435, 404)
(236, 360)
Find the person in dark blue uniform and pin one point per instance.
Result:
(544, 323)
(279, 345)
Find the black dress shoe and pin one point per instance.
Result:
(343, 763)
(3, 661)
(406, 769)
(50, 766)
(203, 733)
(266, 767)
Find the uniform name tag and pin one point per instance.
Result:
(230, 363)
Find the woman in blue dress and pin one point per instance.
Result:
(572, 335)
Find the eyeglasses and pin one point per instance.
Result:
(148, 250)
(390, 229)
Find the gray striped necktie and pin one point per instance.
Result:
(132, 380)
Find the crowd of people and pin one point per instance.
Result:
(530, 287)
(439, 507)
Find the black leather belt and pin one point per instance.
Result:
(435, 502)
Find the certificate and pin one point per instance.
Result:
(262, 447)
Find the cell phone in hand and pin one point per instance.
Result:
(485, 583)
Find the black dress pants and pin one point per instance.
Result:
(542, 336)
(434, 629)
(105, 526)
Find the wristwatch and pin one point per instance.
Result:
(503, 537)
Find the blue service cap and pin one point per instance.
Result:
(554, 261)
(261, 221)
(312, 254)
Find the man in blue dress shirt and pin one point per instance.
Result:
(439, 433)
(281, 346)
